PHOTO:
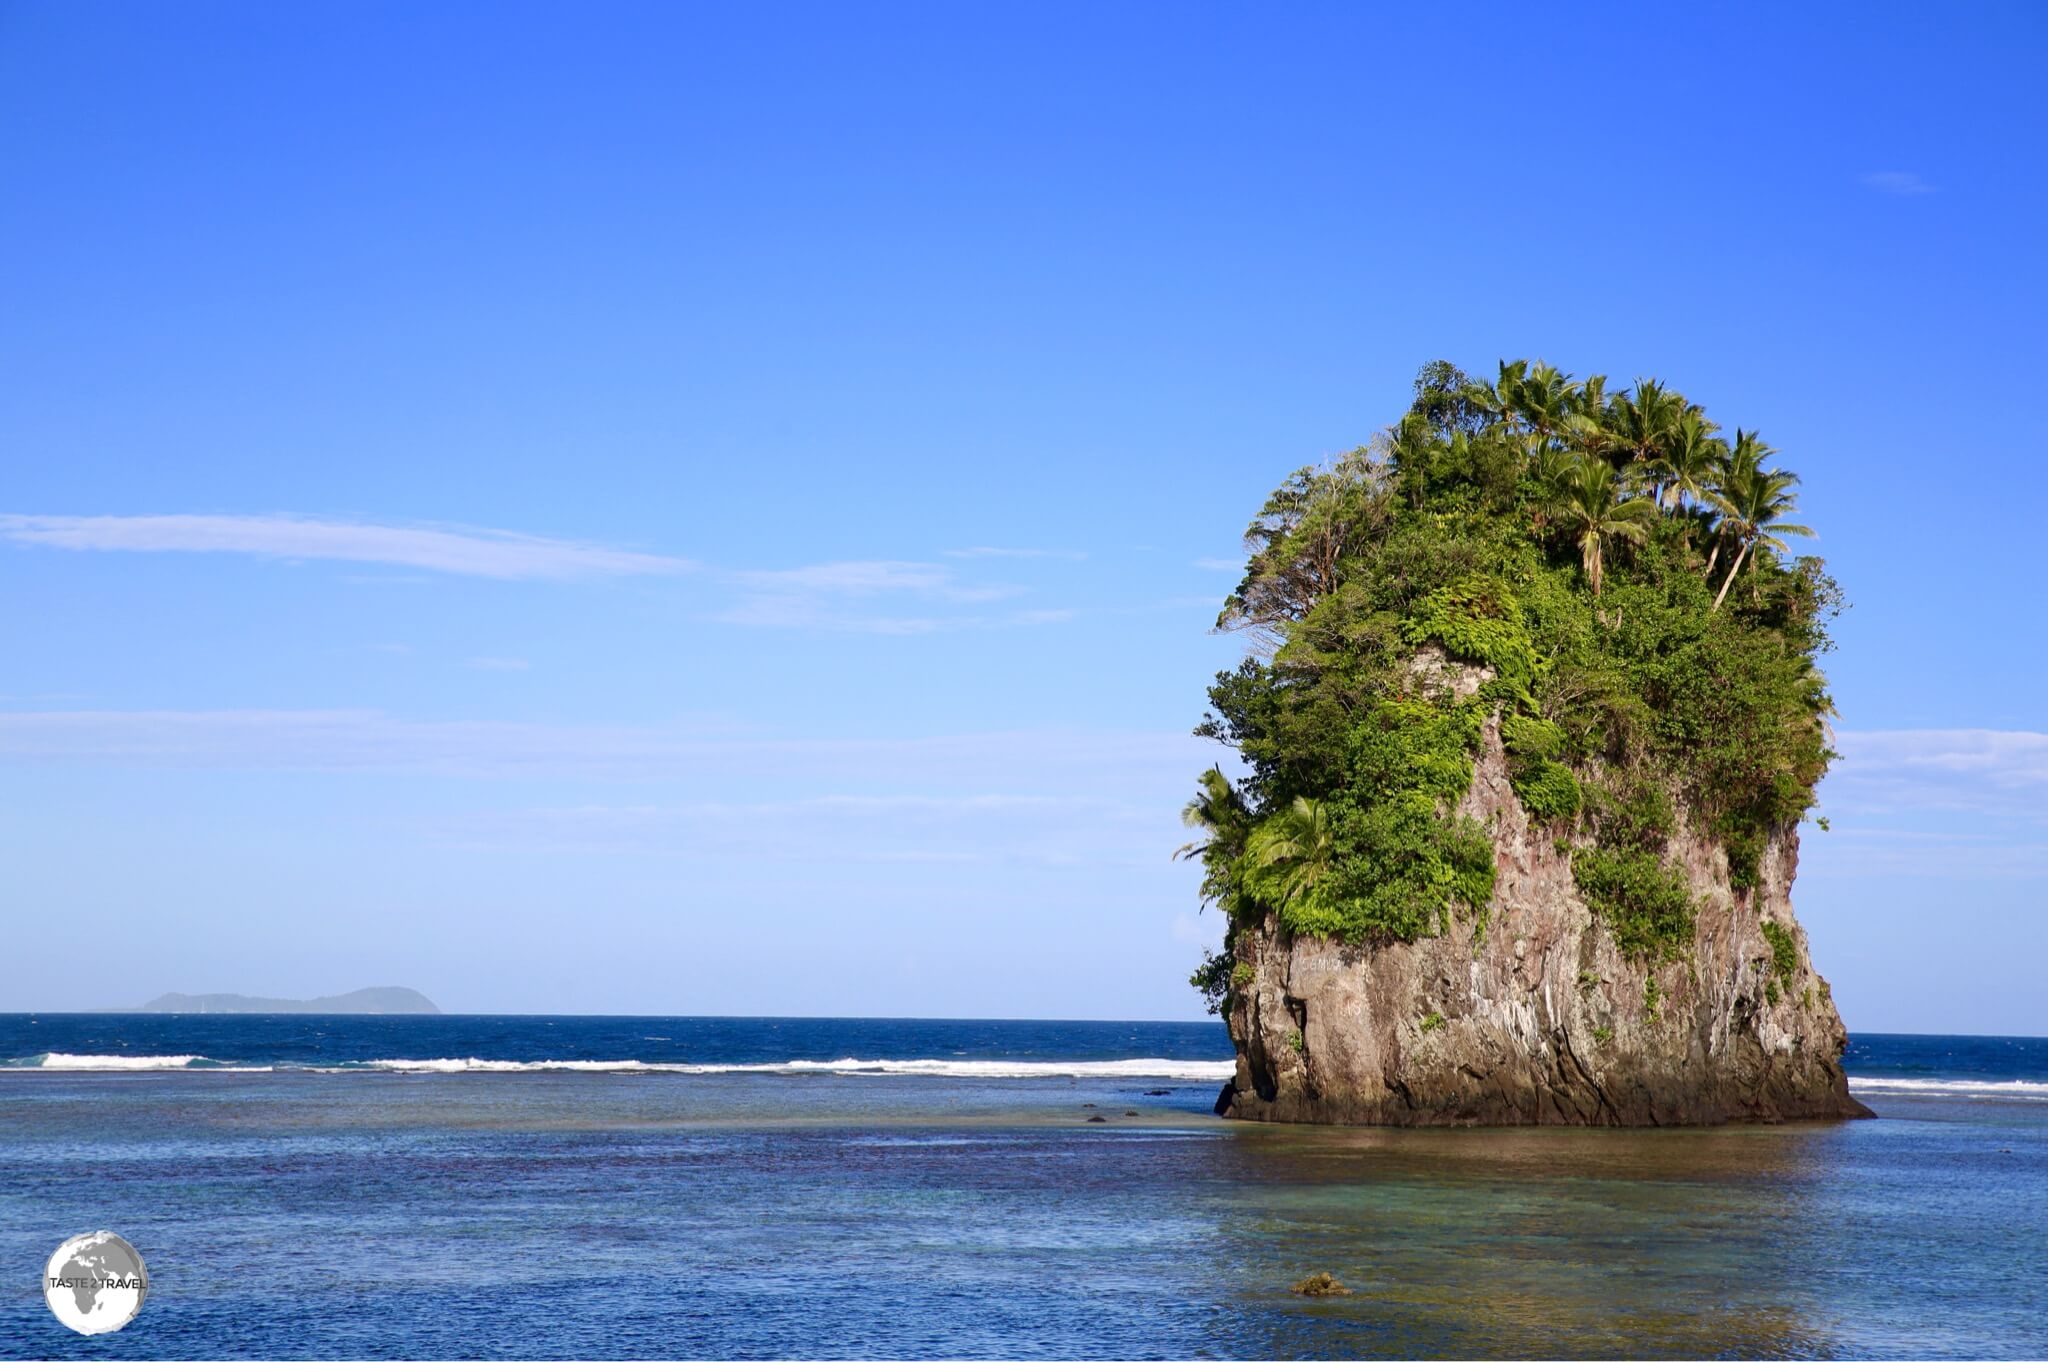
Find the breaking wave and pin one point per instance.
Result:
(127, 1063)
(2012, 1090)
(1191, 1070)
(1184, 1070)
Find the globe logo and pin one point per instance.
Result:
(95, 1283)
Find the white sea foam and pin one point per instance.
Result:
(111, 1063)
(1202, 1070)
(1184, 1070)
(504, 1066)
(1190, 1070)
(2013, 1089)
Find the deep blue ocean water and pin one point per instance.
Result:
(689, 1187)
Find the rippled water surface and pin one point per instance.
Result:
(292, 1198)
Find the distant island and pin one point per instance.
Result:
(362, 1002)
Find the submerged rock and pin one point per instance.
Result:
(1320, 1284)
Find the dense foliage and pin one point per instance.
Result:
(1615, 563)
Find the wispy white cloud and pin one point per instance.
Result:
(1220, 564)
(1047, 798)
(345, 740)
(973, 811)
(706, 749)
(790, 611)
(2006, 757)
(869, 578)
(834, 596)
(1885, 853)
(771, 612)
(861, 578)
(951, 828)
(1955, 803)
(2003, 773)
(984, 551)
(458, 550)
(1991, 771)
(1901, 182)
(839, 597)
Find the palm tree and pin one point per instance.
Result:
(1553, 468)
(1753, 501)
(1590, 397)
(1690, 459)
(1549, 468)
(1300, 842)
(1642, 421)
(1737, 462)
(1497, 400)
(1591, 506)
(1218, 811)
(1586, 433)
(1547, 400)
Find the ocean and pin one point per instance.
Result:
(304, 1186)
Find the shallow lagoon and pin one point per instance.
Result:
(633, 1214)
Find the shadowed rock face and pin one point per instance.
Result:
(1538, 1019)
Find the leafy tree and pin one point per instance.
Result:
(1299, 541)
(1443, 400)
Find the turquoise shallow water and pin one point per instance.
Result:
(292, 1201)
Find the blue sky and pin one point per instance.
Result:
(691, 509)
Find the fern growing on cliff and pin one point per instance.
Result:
(1541, 560)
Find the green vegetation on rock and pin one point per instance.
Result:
(1602, 575)
(1547, 788)
(1643, 902)
(1784, 952)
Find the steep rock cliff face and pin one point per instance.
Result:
(1534, 1016)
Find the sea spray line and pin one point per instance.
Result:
(1187, 1070)
(1207, 1070)
(2018, 1088)
(1184, 1069)
(109, 1063)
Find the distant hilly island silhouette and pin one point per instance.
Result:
(391, 1001)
